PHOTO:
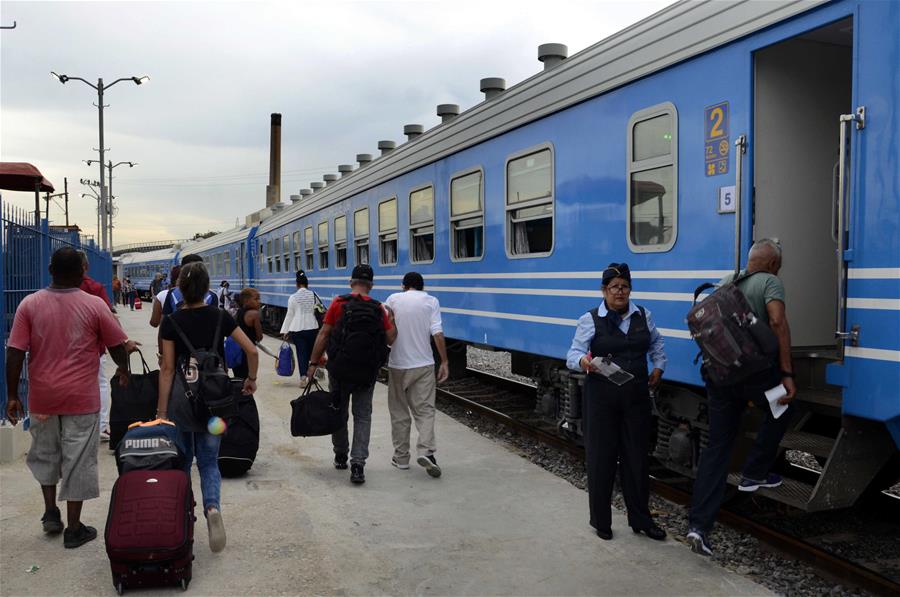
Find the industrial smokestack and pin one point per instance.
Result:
(552, 54)
(412, 131)
(273, 190)
(492, 87)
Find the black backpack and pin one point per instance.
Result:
(734, 343)
(210, 393)
(357, 347)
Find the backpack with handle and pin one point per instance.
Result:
(155, 445)
(207, 385)
(734, 343)
(357, 347)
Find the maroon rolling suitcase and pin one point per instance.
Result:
(150, 529)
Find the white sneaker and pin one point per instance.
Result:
(398, 464)
(216, 530)
(104, 435)
(304, 381)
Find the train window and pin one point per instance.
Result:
(421, 225)
(269, 254)
(529, 204)
(323, 245)
(387, 232)
(340, 241)
(262, 256)
(652, 179)
(361, 235)
(286, 248)
(308, 246)
(467, 217)
(227, 264)
(276, 255)
(298, 261)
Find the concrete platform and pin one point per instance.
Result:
(494, 524)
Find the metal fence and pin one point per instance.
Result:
(26, 251)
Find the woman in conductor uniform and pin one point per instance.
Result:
(616, 418)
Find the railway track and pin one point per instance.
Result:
(511, 403)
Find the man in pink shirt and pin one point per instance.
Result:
(62, 329)
(91, 286)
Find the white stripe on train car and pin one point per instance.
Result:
(878, 354)
(873, 303)
(873, 273)
(648, 274)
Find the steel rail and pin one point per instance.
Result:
(827, 564)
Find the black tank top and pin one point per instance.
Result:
(628, 351)
(249, 330)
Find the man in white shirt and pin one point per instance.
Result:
(411, 389)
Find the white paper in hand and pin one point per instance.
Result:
(773, 396)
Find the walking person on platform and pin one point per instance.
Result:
(765, 293)
(616, 410)
(205, 327)
(117, 290)
(249, 321)
(411, 387)
(357, 331)
(91, 286)
(128, 289)
(156, 285)
(300, 324)
(61, 328)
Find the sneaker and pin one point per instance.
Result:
(772, 480)
(356, 474)
(430, 464)
(104, 435)
(216, 530)
(78, 537)
(400, 465)
(340, 461)
(304, 381)
(52, 522)
(697, 541)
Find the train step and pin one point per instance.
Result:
(791, 492)
(811, 443)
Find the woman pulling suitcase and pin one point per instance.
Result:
(199, 322)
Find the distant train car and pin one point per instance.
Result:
(142, 267)
(225, 256)
(671, 145)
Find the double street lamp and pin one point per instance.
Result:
(100, 87)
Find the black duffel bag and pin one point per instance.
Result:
(315, 413)
(239, 445)
(132, 403)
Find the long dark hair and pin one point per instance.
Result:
(193, 281)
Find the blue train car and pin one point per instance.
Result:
(141, 268)
(226, 256)
(671, 145)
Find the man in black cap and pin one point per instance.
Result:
(357, 349)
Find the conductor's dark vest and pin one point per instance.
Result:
(629, 351)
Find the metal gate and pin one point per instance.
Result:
(25, 252)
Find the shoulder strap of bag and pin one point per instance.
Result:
(167, 301)
(736, 279)
(216, 335)
(184, 338)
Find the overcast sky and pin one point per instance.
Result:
(343, 74)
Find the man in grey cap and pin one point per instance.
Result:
(357, 331)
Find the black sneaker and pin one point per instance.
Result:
(340, 461)
(356, 473)
(430, 464)
(52, 522)
(79, 536)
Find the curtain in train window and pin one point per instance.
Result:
(466, 217)
(421, 225)
(227, 264)
(340, 241)
(308, 247)
(298, 261)
(262, 257)
(361, 235)
(529, 204)
(286, 248)
(323, 245)
(269, 255)
(277, 254)
(652, 185)
(387, 232)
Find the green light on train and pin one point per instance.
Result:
(667, 136)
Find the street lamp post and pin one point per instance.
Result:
(109, 205)
(100, 88)
(97, 197)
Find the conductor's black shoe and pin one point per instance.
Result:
(653, 531)
(52, 522)
(340, 461)
(356, 474)
(605, 534)
(430, 464)
(78, 537)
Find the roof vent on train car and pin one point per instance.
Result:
(277, 207)
(412, 131)
(491, 87)
(329, 178)
(295, 198)
(386, 147)
(447, 112)
(552, 54)
(345, 169)
(316, 186)
(304, 193)
(363, 158)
